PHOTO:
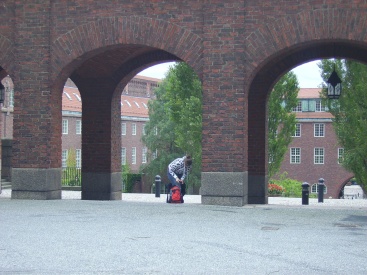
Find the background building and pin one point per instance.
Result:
(314, 152)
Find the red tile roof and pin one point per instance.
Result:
(131, 106)
(309, 93)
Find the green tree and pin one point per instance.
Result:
(350, 114)
(174, 126)
(281, 120)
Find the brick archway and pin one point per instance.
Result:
(85, 41)
(260, 88)
(104, 55)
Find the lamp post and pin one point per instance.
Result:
(334, 87)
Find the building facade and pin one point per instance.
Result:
(134, 115)
(314, 152)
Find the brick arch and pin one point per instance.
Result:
(127, 30)
(277, 47)
(303, 28)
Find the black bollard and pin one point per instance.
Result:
(157, 186)
(321, 190)
(305, 193)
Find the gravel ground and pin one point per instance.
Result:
(138, 197)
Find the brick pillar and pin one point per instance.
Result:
(101, 140)
(36, 172)
(224, 176)
(257, 148)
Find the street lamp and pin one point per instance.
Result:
(334, 87)
(2, 93)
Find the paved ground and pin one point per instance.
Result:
(143, 235)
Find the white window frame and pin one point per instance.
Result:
(144, 155)
(340, 155)
(133, 155)
(123, 129)
(143, 130)
(315, 188)
(295, 155)
(78, 126)
(65, 126)
(298, 108)
(78, 158)
(319, 155)
(319, 130)
(64, 157)
(123, 156)
(297, 132)
(133, 129)
(155, 154)
(319, 107)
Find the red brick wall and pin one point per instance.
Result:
(332, 172)
(239, 50)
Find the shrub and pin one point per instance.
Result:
(293, 188)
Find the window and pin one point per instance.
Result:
(65, 126)
(297, 133)
(155, 154)
(308, 105)
(155, 130)
(319, 107)
(319, 130)
(298, 108)
(11, 98)
(295, 155)
(318, 155)
(315, 188)
(64, 157)
(133, 155)
(144, 156)
(123, 156)
(340, 155)
(78, 158)
(133, 129)
(123, 129)
(78, 127)
(144, 133)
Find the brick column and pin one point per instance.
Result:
(101, 140)
(224, 176)
(36, 172)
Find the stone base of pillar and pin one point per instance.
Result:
(36, 184)
(257, 189)
(224, 188)
(101, 186)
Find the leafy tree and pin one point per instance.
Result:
(281, 120)
(350, 114)
(174, 126)
(71, 158)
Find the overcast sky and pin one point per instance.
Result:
(308, 74)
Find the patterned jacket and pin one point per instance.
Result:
(177, 167)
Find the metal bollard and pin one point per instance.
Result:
(157, 186)
(321, 190)
(305, 193)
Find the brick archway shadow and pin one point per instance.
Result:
(264, 80)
